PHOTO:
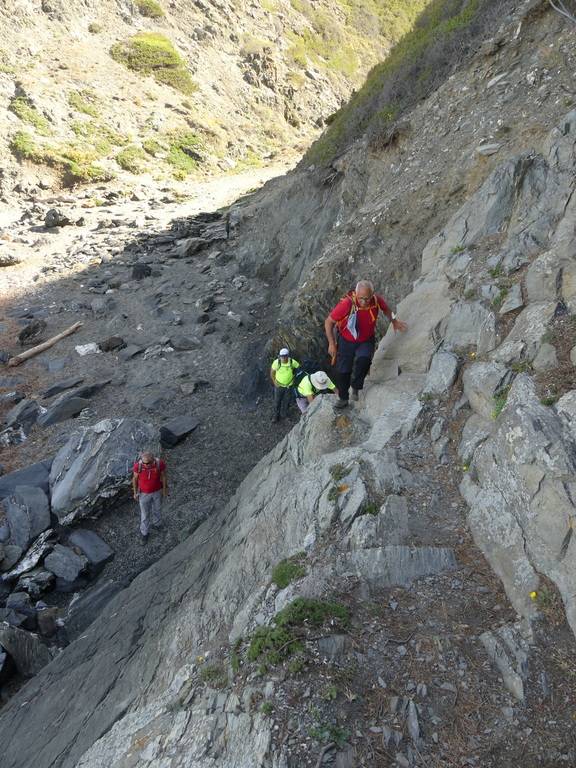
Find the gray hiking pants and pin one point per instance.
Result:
(150, 505)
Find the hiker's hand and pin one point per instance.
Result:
(399, 325)
(135, 494)
(332, 352)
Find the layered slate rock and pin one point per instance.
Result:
(28, 514)
(95, 465)
(27, 651)
(94, 549)
(61, 386)
(66, 407)
(178, 428)
(22, 415)
(64, 563)
(36, 475)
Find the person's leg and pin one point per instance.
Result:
(344, 365)
(156, 509)
(145, 503)
(277, 402)
(362, 362)
(284, 402)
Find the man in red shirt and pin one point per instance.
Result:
(149, 486)
(355, 317)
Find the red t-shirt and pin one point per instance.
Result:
(149, 476)
(365, 321)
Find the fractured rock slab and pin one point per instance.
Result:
(28, 514)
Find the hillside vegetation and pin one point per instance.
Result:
(441, 37)
(88, 94)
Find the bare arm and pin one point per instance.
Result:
(329, 328)
(273, 376)
(135, 484)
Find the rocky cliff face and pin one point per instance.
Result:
(390, 642)
(89, 91)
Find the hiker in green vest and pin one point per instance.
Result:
(310, 385)
(282, 375)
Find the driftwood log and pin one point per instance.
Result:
(41, 347)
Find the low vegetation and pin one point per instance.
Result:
(184, 152)
(289, 570)
(27, 112)
(131, 159)
(499, 402)
(75, 163)
(84, 101)
(273, 644)
(214, 675)
(150, 8)
(94, 28)
(440, 38)
(151, 53)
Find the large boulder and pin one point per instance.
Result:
(64, 563)
(92, 547)
(27, 651)
(66, 407)
(482, 382)
(95, 465)
(28, 514)
(36, 475)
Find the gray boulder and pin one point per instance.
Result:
(397, 565)
(482, 381)
(525, 338)
(61, 386)
(24, 414)
(28, 514)
(95, 465)
(35, 582)
(64, 563)
(94, 549)
(442, 373)
(66, 407)
(7, 666)
(175, 430)
(36, 475)
(27, 651)
(476, 430)
(470, 324)
(513, 300)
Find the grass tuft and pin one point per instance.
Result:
(131, 159)
(150, 8)
(27, 112)
(289, 570)
(499, 402)
(151, 53)
(84, 101)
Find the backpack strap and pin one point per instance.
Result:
(156, 462)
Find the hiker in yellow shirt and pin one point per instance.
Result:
(310, 385)
(282, 375)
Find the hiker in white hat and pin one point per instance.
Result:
(282, 373)
(310, 385)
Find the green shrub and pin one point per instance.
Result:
(131, 159)
(274, 644)
(94, 28)
(153, 147)
(22, 145)
(266, 708)
(500, 402)
(25, 110)
(150, 8)
(288, 570)
(183, 151)
(84, 101)
(304, 611)
(418, 64)
(151, 53)
(499, 300)
(96, 133)
(214, 676)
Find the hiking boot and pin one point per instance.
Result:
(355, 395)
(341, 404)
(143, 539)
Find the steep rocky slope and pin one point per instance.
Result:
(93, 90)
(402, 649)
